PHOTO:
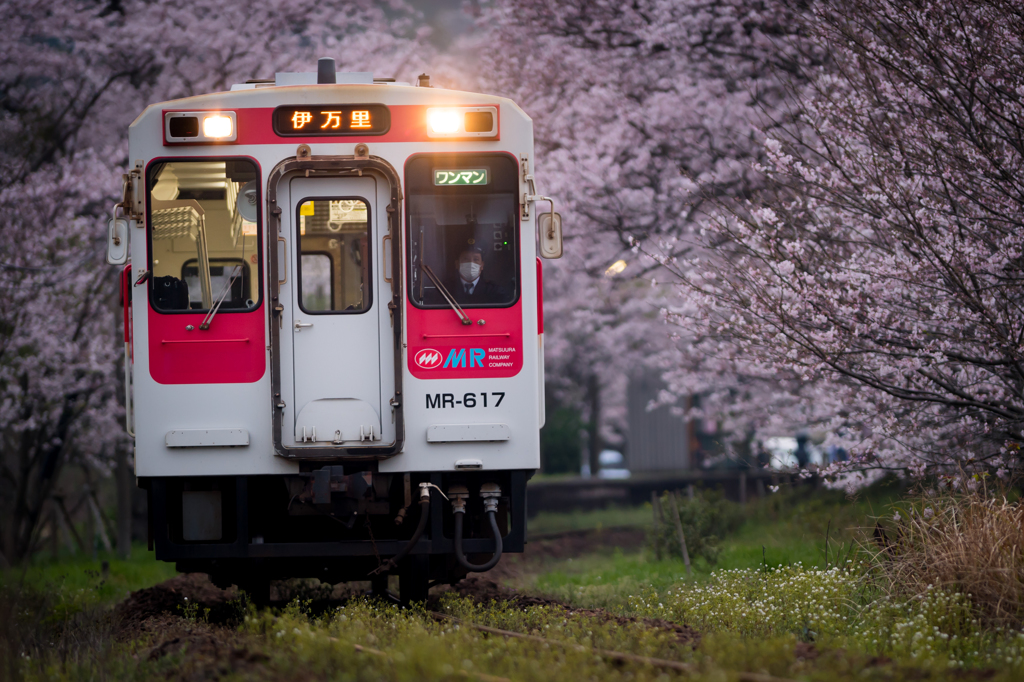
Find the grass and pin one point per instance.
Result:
(611, 517)
(80, 582)
(776, 584)
(605, 580)
(55, 620)
(969, 542)
(779, 530)
(774, 603)
(791, 527)
(420, 647)
(839, 609)
(366, 640)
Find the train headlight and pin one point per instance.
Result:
(444, 121)
(218, 127)
(200, 127)
(462, 123)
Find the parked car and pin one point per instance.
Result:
(783, 452)
(612, 467)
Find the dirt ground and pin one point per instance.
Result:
(215, 648)
(564, 546)
(176, 594)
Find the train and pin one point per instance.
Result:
(334, 329)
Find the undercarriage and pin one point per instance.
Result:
(338, 524)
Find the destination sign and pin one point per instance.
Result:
(460, 176)
(332, 120)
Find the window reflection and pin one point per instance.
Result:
(317, 282)
(232, 274)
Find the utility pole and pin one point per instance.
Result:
(679, 531)
(656, 508)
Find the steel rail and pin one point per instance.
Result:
(484, 677)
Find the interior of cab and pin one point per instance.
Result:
(203, 235)
(463, 239)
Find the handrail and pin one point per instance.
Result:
(463, 336)
(126, 292)
(165, 341)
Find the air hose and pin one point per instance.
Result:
(491, 494)
(391, 563)
(477, 568)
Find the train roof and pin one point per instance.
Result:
(302, 89)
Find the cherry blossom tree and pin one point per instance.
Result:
(644, 114)
(72, 77)
(882, 264)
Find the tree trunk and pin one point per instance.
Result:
(54, 532)
(90, 530)
(36, 461)
(656, 508)
(594, 427)
(124, 504)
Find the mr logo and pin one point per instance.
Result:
(428, 358)
(457, 358)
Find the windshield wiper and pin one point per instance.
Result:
(220, 299)
(447, 296)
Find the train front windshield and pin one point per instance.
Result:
(204, 250)
(463, 230)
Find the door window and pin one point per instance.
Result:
(334, 255)
(317, 282)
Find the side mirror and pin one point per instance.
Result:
(245, 204)
(117, 241)
(550, 227)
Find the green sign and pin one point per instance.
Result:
(460, 176)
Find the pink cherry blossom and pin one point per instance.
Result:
(73, 75)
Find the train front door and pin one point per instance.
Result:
(337, 335)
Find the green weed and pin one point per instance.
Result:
(837, 608)
(193, 613)
(78, 583)
(760, 603)
(705, 519)
(411, 645)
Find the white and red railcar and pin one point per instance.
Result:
(333, 315)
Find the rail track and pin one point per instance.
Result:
(166, 598)
(618, 656)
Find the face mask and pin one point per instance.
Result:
(469, 271)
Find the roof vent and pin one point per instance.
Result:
(325, 71)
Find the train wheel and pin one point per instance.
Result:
(379, 586)
(258, 590)
(414, 578)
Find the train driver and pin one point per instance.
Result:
(470, 286)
